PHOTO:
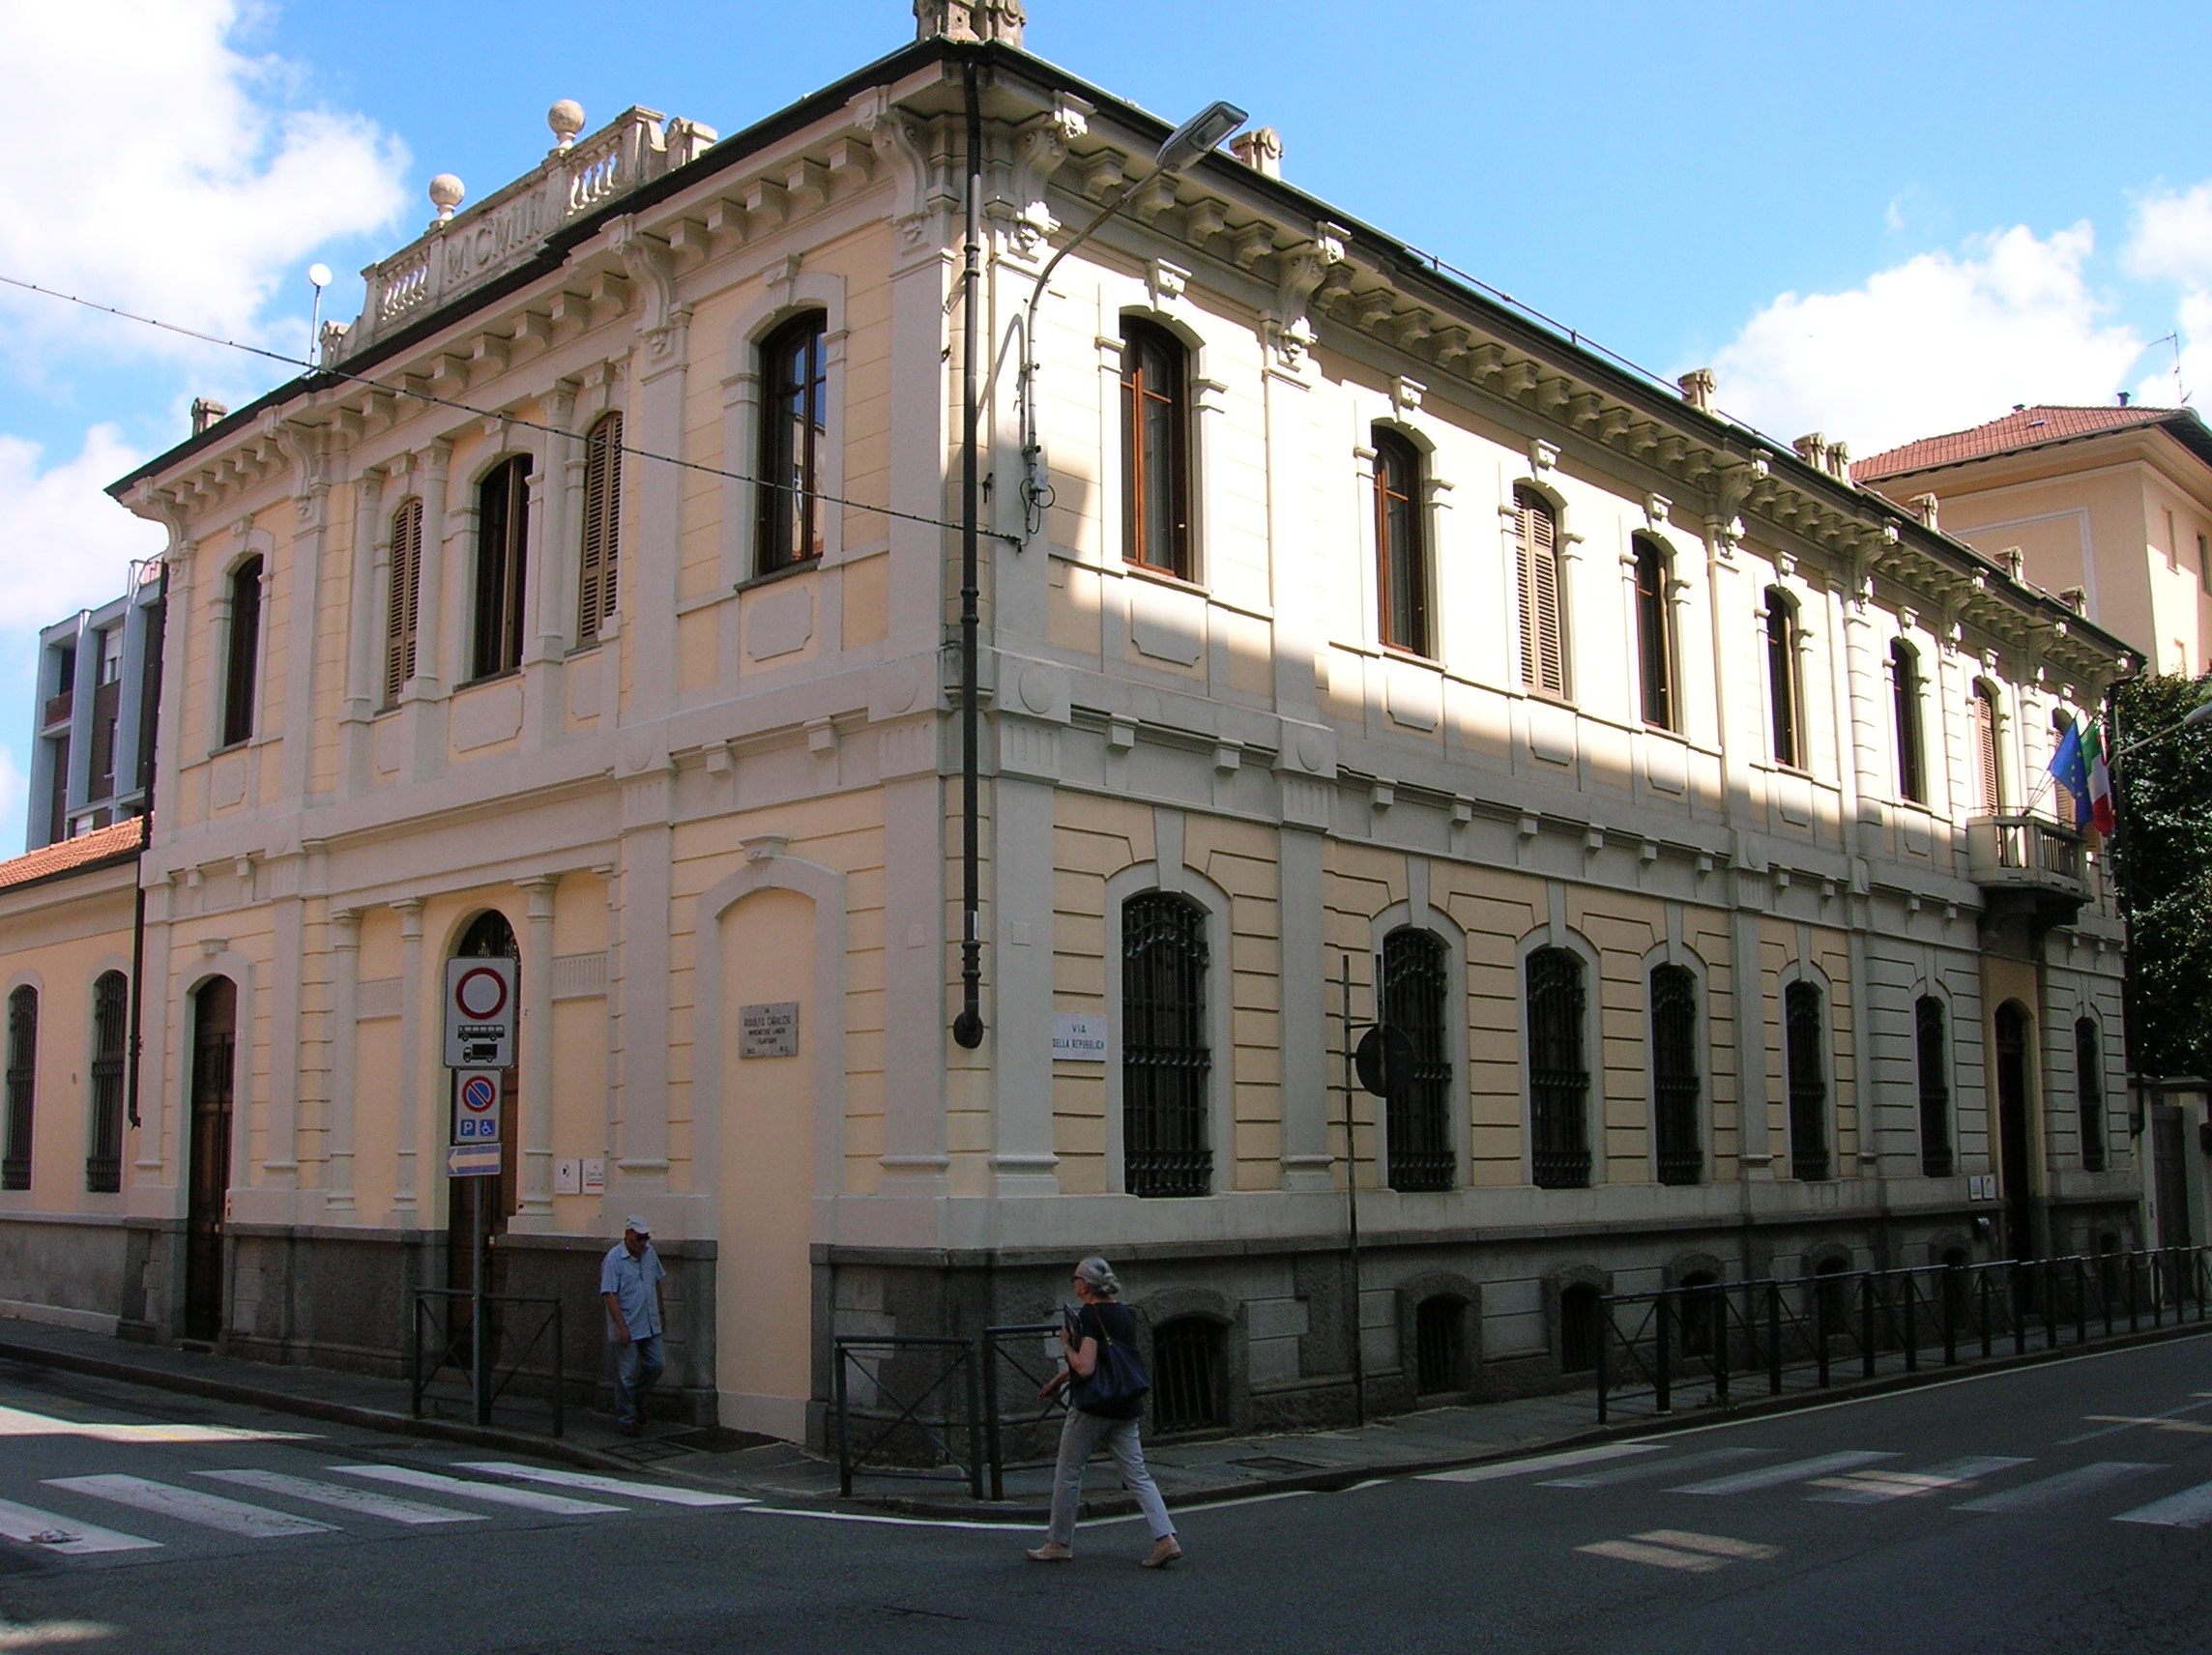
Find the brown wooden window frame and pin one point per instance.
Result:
(1404, 606)
(503, 569)
(1156, 401)
(793, 442)
(242, 653)
(598, 560)
(1784, 683)
(1655, 642)
(403, 599)
(1905, 707)
(1540, 578)
(1983, 716)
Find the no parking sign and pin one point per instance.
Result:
(475, 1106)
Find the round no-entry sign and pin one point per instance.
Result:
(480, 993)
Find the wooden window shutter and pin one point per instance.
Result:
(1543, 643)
(598, 583)
(1986, 748)
(406, 601)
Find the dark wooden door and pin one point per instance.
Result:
(215, 1056)
(2012, 1130)
(2168, 1144)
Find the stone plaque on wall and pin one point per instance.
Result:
(768, 1031)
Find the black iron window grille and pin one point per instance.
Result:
(22, 1086)
(2089, 1090)
(1804, 1035)
(1437, 1352)
(1415, 993)
(1166, 1062)
(1934, 1087)
(110, 1030)
(1677, 1084)
(1186, 1375)
(1558, 1074)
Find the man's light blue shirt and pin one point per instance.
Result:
(631, 1281)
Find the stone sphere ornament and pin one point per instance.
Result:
(566, 119)
(445, 192)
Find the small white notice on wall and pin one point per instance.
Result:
(567, 1176)
(1078, 1038)
(768, 1031)
(594, 1175)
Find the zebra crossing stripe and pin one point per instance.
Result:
(32, 1526)
(591, 1484)
(1541, 1462)
(492, 1494)
(189, 1505)
(2192, 1508)
(1774, 1476)
(1644, 1468)
(366, 1502)
(2065, 1485)
(1871, 1487)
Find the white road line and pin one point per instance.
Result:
(2192, 1508)
(1872, 1487)
(1638, 1471)
(26, 1523)
(366, 1502)
(189, 1505)
(2065, 1485)
(1658, 1556)
(492, 1494)
(1718, 1544)
(889, 1522)
(23, 1422)
(1774, 1476)
(2108, 1423)
(604, 1485)
(1541, 1462)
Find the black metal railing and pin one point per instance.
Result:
(509, 1340)
(1700, 1345)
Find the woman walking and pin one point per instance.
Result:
(1101, 1413)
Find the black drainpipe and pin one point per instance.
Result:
(150, 699)
(967, 1026)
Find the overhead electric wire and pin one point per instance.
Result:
(425, 396)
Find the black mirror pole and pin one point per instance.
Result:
(967, 1026)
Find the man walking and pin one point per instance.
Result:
(629, 1286)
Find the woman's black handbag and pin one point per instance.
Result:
(1118, 1383)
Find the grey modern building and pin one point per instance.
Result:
(92, 737)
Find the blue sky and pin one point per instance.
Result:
(1879, 221)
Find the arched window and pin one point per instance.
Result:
(1400, 551)
(1988, 775)
(242, 669)
(1558, 1072)
(2064, 806)
(502, 554)
(1675, 1079)
(793, 441)
(1415, 995)
(1580, 1327)
(1784, 690)
(1543, 620)
(110, 1035)
(598, 586)
(1934, 1062)
(22, 1086)
(2089, 1090)
(1905, 694)
(1805, 1038)
(405, 599)
(1166, 1059)
(1655, 631)
(1440, 1345)
(1188, 1392)
(1155, 450)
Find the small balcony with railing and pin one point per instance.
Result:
(2028, 868)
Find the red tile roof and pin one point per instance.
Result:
(2021, 428)
(70, 855)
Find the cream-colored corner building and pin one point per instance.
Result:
(1342, 617)
(2110, 506)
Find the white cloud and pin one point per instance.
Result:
(169, 173)
(64, 545)
(2171, 242)
(1936, 343)
(15, 800)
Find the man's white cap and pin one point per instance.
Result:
(634, 1222)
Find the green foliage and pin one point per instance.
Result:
(2164, 795)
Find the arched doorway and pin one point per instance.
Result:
(480, 1208)
(2013, 1160)
(207, 1168)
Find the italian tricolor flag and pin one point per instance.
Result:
(2100, 779)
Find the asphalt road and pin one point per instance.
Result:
(2067, 1506)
